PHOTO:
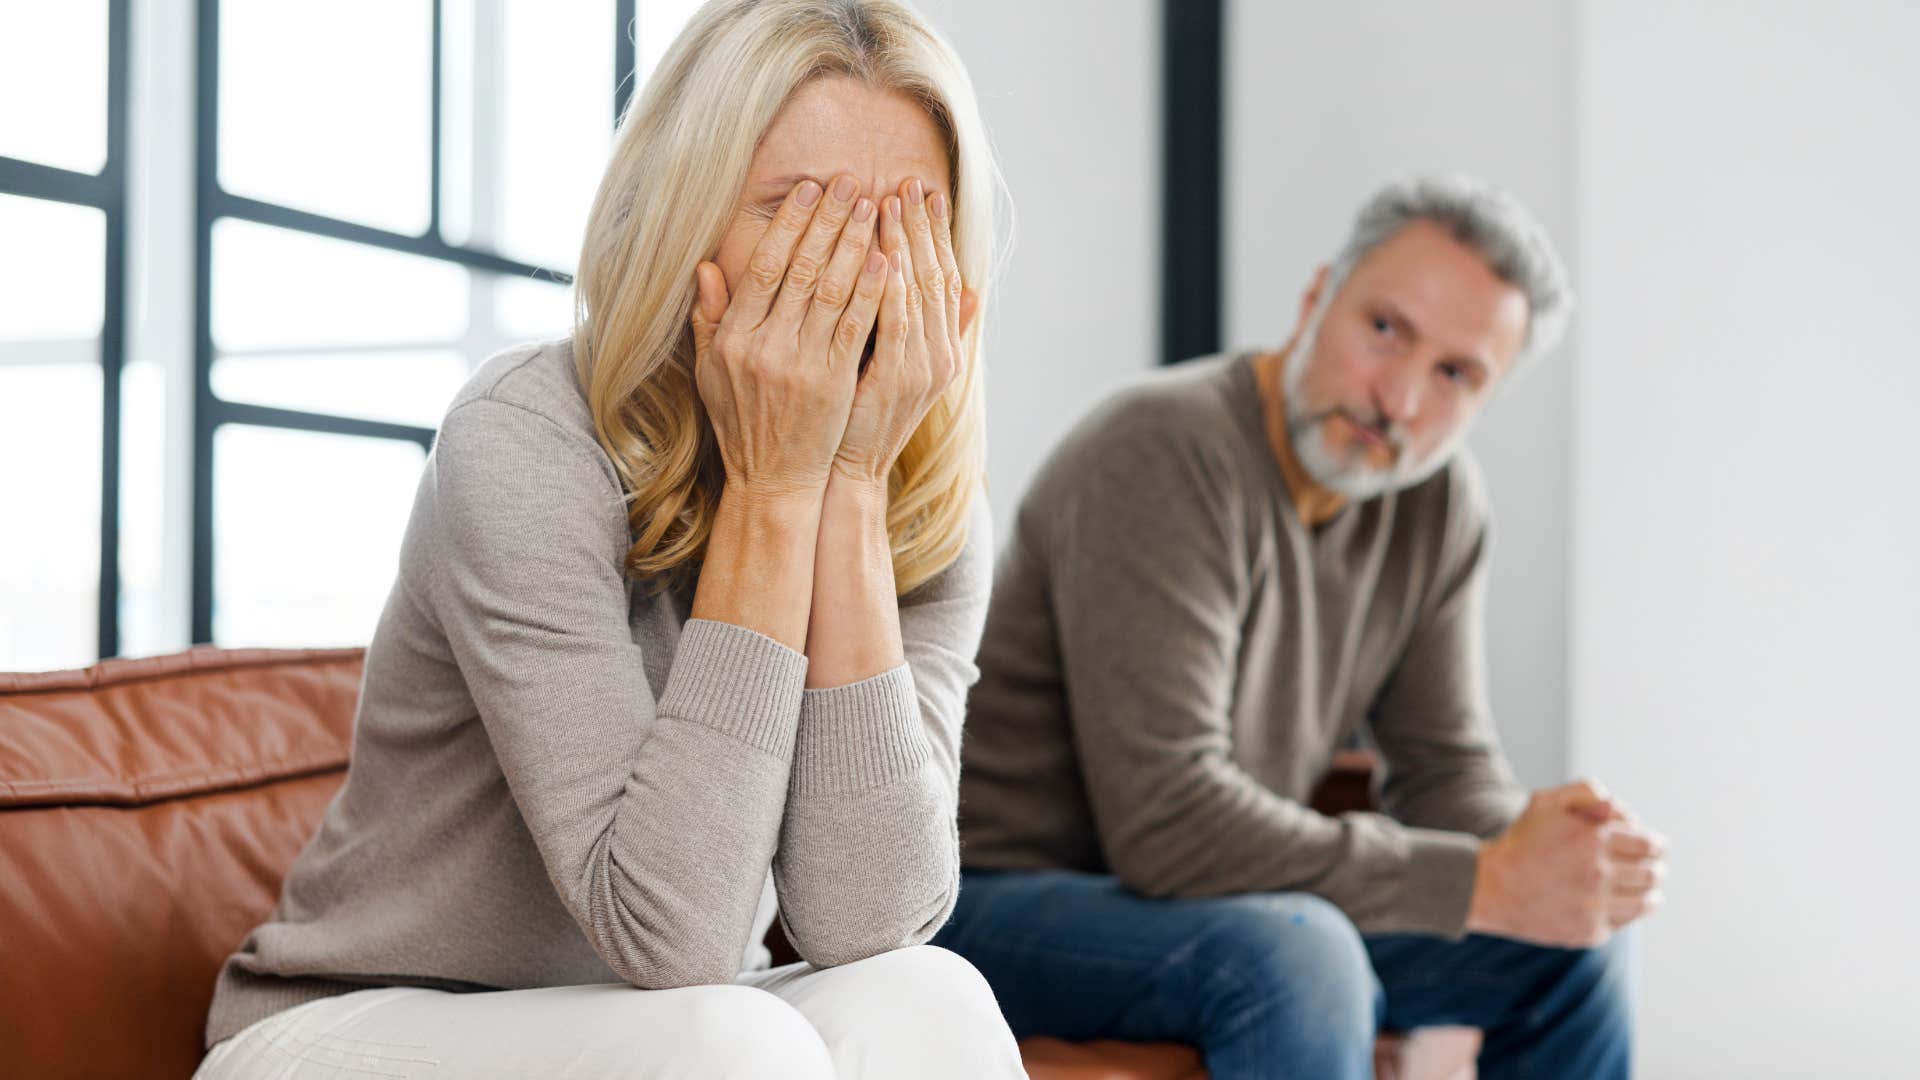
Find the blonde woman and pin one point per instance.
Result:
(685, 617)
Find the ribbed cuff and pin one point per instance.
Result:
(735, 680)
(863, 735)
(1438, 882)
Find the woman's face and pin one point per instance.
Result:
(834, 126)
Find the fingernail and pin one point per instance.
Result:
(897, 268)
(875, 261)
(915, 193)
(893, 207)
(843, 189)
(863, 210)
(938, 204)
(809, 193)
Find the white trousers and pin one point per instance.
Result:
(913, 1013)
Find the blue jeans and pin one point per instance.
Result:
(1278, 984)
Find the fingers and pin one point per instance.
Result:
(900, 310)
(928, 275)
(843, 276)
(1636, 876)
(768, 266)
(1627, 842)
(1639, 877)
(894, 324)
(1622, 910)
(709, 305)
(850, 331)
(895, 242)
(961, 301)
(807, 268)
(1591, 801)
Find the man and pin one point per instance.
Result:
(1220, 578)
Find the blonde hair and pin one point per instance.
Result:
(680, 160)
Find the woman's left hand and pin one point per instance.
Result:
(919, 345)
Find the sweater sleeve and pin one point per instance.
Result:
(1432, 720)
(869, 854)
(1149, 581)
(656, 825)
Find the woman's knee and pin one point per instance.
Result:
(926, 979)
(920, 1011)
(738, 1032)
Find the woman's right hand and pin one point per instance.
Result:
(776, 365)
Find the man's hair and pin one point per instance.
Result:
(1484, 218)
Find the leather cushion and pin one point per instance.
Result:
(1055, 1059)
(148, 811)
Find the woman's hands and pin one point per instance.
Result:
(918, 349)
(776, 364)
(779, 364)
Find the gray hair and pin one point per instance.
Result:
(1484, 218)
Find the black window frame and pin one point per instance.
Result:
(1192, 170)
(105, 191)
(213, 204)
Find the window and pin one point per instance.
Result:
(382, 194)
(367, 242)
(62, 246)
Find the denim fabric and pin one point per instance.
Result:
(1279, 984)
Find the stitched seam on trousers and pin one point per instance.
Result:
(388, 1045)
(326, 1041)
(300, 1048)
(297, 1054)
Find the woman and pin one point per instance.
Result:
(690, 598)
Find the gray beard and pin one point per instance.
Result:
(1350, 476)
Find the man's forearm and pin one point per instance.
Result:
(1468, 793)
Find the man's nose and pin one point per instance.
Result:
(1396, 391)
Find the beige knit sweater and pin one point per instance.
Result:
(558, 778)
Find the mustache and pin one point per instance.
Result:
(1393, 434)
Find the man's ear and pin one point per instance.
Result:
(1311, 298)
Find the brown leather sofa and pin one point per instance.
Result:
(149, 808)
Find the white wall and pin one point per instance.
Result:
(1746, 518)
(1326, 101)
(1071, 93)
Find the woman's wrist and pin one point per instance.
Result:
(854, 629)
(758, 567)
(785, 498)
(860, 487)
(849, 473)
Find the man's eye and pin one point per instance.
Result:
(1454, 373)
(1381, 325)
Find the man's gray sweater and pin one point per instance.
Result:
(1172, 657)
